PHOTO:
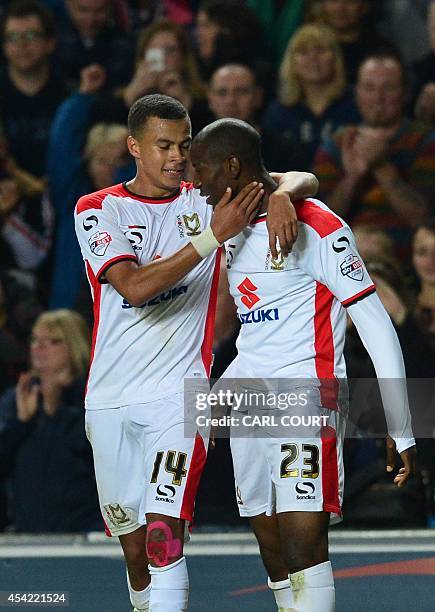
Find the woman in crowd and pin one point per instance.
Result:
(313, 100)
(423, 258)
(43, 447)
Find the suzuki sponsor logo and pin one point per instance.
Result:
(259, 316)
(305, 490)
(166, 296)
(247, 289)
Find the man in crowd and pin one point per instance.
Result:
(234, 92)
(29, 90)
(382, 172)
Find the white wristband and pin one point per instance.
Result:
(205, 243)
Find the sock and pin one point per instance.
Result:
(313, 589)
(283, 594)
(169, 587)
(140, 600)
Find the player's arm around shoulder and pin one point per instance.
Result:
(139, 283)
(282, 222)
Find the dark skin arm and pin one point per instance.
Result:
(408, 457)
(138, 284)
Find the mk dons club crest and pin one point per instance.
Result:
(117, 515)
(275, 265)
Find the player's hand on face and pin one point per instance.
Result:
(26, 395)
(282, 223)
(408, 457)
(232, 215)
(92, 79)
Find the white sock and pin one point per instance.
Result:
(313, 589)
(140, 600)
(169, 587)
(283, 594)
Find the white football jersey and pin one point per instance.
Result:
(142, 354)
(291, 310)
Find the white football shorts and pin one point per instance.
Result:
(145, 462)
(301, 471)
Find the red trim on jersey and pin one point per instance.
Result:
(96, 287)
(260, 220)
(112, 261)
(324, 347)
(106, 529)
(24, 230)
(359, 296)
(207, 343)
(148, 199)
(95, 200)
(186, 185)
(322, 221)
(196, 468)
(331, 499)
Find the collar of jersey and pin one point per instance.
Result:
(149, 199)
(259, 218)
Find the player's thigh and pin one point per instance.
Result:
(307, 472)
(175, 457)
(252, 476)
(118, 461)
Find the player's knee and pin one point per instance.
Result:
(134, 550)
(163, 546)
(299, 556)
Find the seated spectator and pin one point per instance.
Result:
(424, 71)
(313, 101)
(355, 33)
(234, 92)
(373, 243)
(423, 258)
(382, 171)
(280, 20)
(403, 23)
(163, 56)
(30, 92)
(87, 35)
(227, 32)
(19, 307)
(26, 225)
(44, 451)
(79, 163)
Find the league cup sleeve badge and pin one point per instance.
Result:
(99, 242)
(352, 267)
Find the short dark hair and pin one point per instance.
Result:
(27, 8)
(226, 137)
(154, 105)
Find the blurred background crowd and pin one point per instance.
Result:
(345, 88)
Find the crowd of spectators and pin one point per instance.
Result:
(345, 88)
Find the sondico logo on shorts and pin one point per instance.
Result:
(305, 490)
(189, 224)
(118, 516)
(165, 493)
